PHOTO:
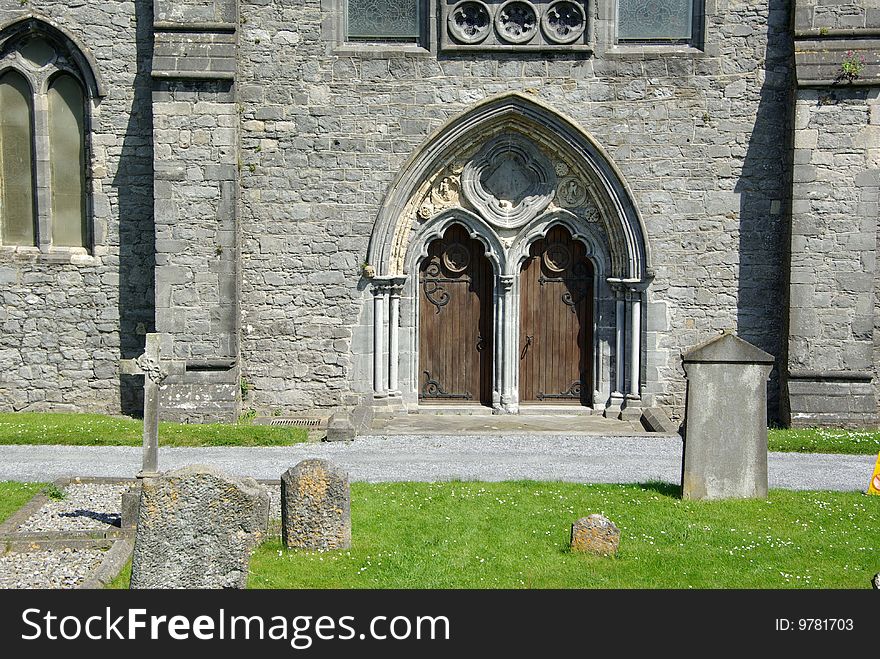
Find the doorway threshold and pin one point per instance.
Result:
(458, 410)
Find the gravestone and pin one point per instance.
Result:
(595, 534)
(196, 529)
(315, 506)
(725, 446)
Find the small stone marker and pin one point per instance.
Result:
(595, 534)
(196, 529)
(315, 506)
(875, 582)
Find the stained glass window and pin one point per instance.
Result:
(655, 20)
(16, 162)
(384, 19)
(67, 160)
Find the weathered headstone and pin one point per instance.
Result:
(196, 529)
(595, 534)
(316, 506)
(875, 582)
(725, 447)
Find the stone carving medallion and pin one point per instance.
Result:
(564, 22)
(444, 195)
(509, 181)
(470, 21)
(572, 192)
(516, 21)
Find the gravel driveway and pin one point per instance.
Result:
(586, 459)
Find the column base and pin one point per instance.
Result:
(615, 404)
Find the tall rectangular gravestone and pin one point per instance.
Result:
(725, 447)
(196, 529)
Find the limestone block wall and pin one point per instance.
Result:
(701, 135)
(66, 317)
(833, 310)
(833, 340)
(196, 162)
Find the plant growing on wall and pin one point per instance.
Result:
(851, 66)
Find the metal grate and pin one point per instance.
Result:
(299, 423)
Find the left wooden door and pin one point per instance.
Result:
(455, 321)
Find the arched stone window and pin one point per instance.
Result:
(44, 129)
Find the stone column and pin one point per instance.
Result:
(509, 354)
(634, 297)
(498, 340)
(616, 402)
(395, 291)
(379, 293)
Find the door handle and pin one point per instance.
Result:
(529, 338)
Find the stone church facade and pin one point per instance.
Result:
(327, 204)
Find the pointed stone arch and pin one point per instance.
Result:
(509, 170)
(397, 219)
(12, 32)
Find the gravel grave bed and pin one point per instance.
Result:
(96, 506)
(54, 568)
(85, 507)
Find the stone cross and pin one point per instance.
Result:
(154, 368)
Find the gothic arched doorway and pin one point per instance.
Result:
(556, 322)
(455, 321)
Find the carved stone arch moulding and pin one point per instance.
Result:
(519, 161)
(433, 229)
(597, 249)
(509, 181)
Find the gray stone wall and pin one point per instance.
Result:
(196, 163)
(68, 317)
(833, 340)
(699, 136)
(833, 257)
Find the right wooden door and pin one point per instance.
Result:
(556, 322)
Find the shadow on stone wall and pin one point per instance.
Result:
(134, 186)
(764, 188)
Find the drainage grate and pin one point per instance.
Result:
(299, 423)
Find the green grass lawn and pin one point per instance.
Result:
(14, 495)
(103, 430)
(825, 440)
(515, 535)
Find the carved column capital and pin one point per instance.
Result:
(382, 285)
(396, 285)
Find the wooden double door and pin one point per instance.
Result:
(456, 329)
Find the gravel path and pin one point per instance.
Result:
(586, 459)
